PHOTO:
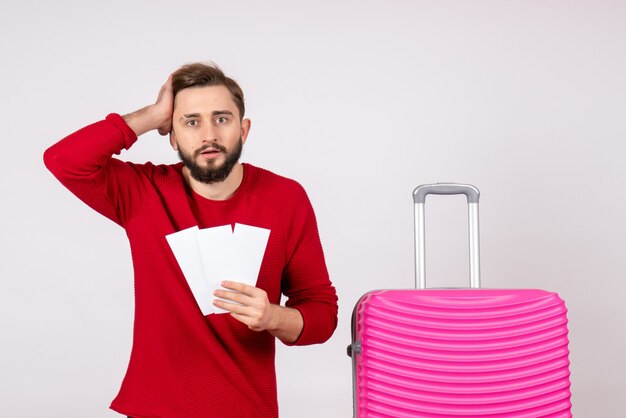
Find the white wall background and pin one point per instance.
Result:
(360, 101)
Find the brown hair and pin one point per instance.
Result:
(200, 74)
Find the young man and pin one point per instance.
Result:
(184, 364)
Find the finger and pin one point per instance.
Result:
(168, 83)
(161, 92)
(240, 287)
(166, 89)
(234, 296)
(231, 307)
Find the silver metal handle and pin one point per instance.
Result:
(419, 198)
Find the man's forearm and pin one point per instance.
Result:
(143, 120)
(83, 153)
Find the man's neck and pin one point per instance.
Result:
(216, 191)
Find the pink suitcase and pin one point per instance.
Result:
(474, 352)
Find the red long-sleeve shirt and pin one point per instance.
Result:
(184, 364)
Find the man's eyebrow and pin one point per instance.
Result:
(222, 112)
(190, 115)
(214, 113)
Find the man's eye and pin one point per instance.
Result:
(221, 119)
(192, 123)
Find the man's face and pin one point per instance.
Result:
(207, 132)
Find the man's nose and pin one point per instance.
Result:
(209, 133)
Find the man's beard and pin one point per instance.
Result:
(211, 173)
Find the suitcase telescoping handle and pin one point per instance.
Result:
(419, 197)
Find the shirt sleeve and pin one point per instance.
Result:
(83, 162)
(305, 280)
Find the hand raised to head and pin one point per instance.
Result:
(155, 116)
(165, 106)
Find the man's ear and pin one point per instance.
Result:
(245, 129)
(173, 140)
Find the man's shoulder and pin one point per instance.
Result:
(157, 171)
(272, 182)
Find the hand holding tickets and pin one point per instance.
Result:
(209, 256)
(248, 304)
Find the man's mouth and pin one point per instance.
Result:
(212, 151)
